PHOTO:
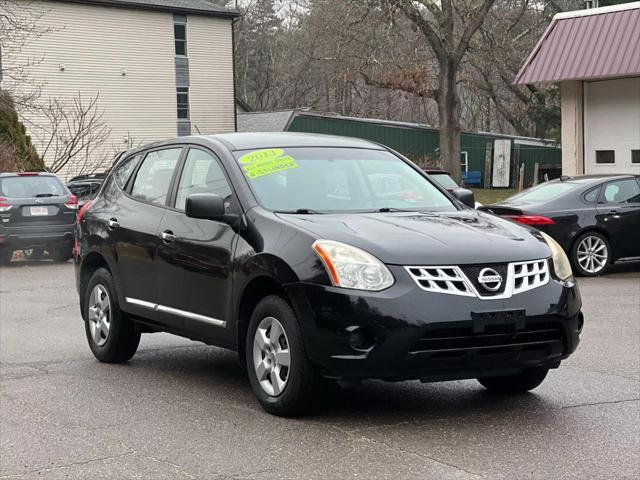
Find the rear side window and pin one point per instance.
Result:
(154, 176)
(622, 191)
(546, 191)
(31, 187)
(201, 174)
(125, 169)
(591, 195)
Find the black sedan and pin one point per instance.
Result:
(316, 258)
(596, 218)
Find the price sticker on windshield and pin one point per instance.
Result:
(265, 162)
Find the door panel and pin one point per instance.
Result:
(619, 215)
(194, 260)
(133, 222)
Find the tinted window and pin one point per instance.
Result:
(180, 33)
(591, 195)
(125, 169)
(635, 156)
(545, 191)
(31, 186)
(84, 191)
(154, 176)
(622, 191)
(201, 174)
(337, 180)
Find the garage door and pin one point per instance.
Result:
(612, 126)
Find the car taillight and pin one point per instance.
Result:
(72, 202)
(4, 206)
(83, 210)
(531, 219)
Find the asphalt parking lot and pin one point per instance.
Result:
(185, 410)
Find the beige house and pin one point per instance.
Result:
(595, 56)
(159, 68)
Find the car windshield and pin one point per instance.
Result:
(445, 180)
(30, 187)
(327, 180)
(545, 191)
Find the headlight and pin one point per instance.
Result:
(350, 267)
(561, 265)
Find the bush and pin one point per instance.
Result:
(16, 150)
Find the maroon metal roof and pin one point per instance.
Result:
(590, 44)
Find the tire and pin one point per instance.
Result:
(294, 390)
(33, 253)
(591, 254)
(62, 254)
(514, 384)
(5, 256)
(113, 338)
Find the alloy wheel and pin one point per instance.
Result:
(592, 254)
(99, 315)
(271, 358)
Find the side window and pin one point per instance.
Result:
(201, 174)
(125, 169)
(622, 191)
(591, 195)
(154, 176)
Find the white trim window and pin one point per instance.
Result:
(464, 162)
(182, 94)
(180, 36)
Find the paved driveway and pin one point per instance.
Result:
(184, 410)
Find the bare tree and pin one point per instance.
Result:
(73, 134)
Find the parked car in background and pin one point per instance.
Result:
(37, 213)
(318, 257)
(445, 179)
(596, 218)
(85, 187)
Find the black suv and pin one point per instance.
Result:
(293, 250)
(37, 213)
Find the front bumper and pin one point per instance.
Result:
(413, 334)
(43, 236)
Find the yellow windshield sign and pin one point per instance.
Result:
(265, 162)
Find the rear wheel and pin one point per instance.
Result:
(112, 337)
(513, 384)
(5, 256)
(33, 253)
(62, 253)
(591, 254)
(279, 372)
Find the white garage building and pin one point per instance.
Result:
(595, 55)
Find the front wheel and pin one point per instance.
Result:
(280, 374)
(514, 384)
(112, 337)
(591, 254)
(62, 254)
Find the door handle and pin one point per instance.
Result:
(167, 236)
(113, 223)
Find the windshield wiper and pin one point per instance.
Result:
(392, 209)
(41, 195)
(303, 211)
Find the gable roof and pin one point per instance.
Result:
(193, 7)
(588, 44)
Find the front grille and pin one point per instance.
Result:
(473, 272)
(460, 341)
(517, 277)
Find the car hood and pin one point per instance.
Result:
(403, 238)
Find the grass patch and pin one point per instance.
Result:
(487, 196)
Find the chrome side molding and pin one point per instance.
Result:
(175, 311)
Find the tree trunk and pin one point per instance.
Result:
(448, 110)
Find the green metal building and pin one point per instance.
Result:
(418, 142)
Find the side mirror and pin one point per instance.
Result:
(208, 206)
(465, 196)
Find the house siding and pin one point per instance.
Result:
(95, 43)
(211, 91)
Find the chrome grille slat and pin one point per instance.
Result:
(452, 280)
